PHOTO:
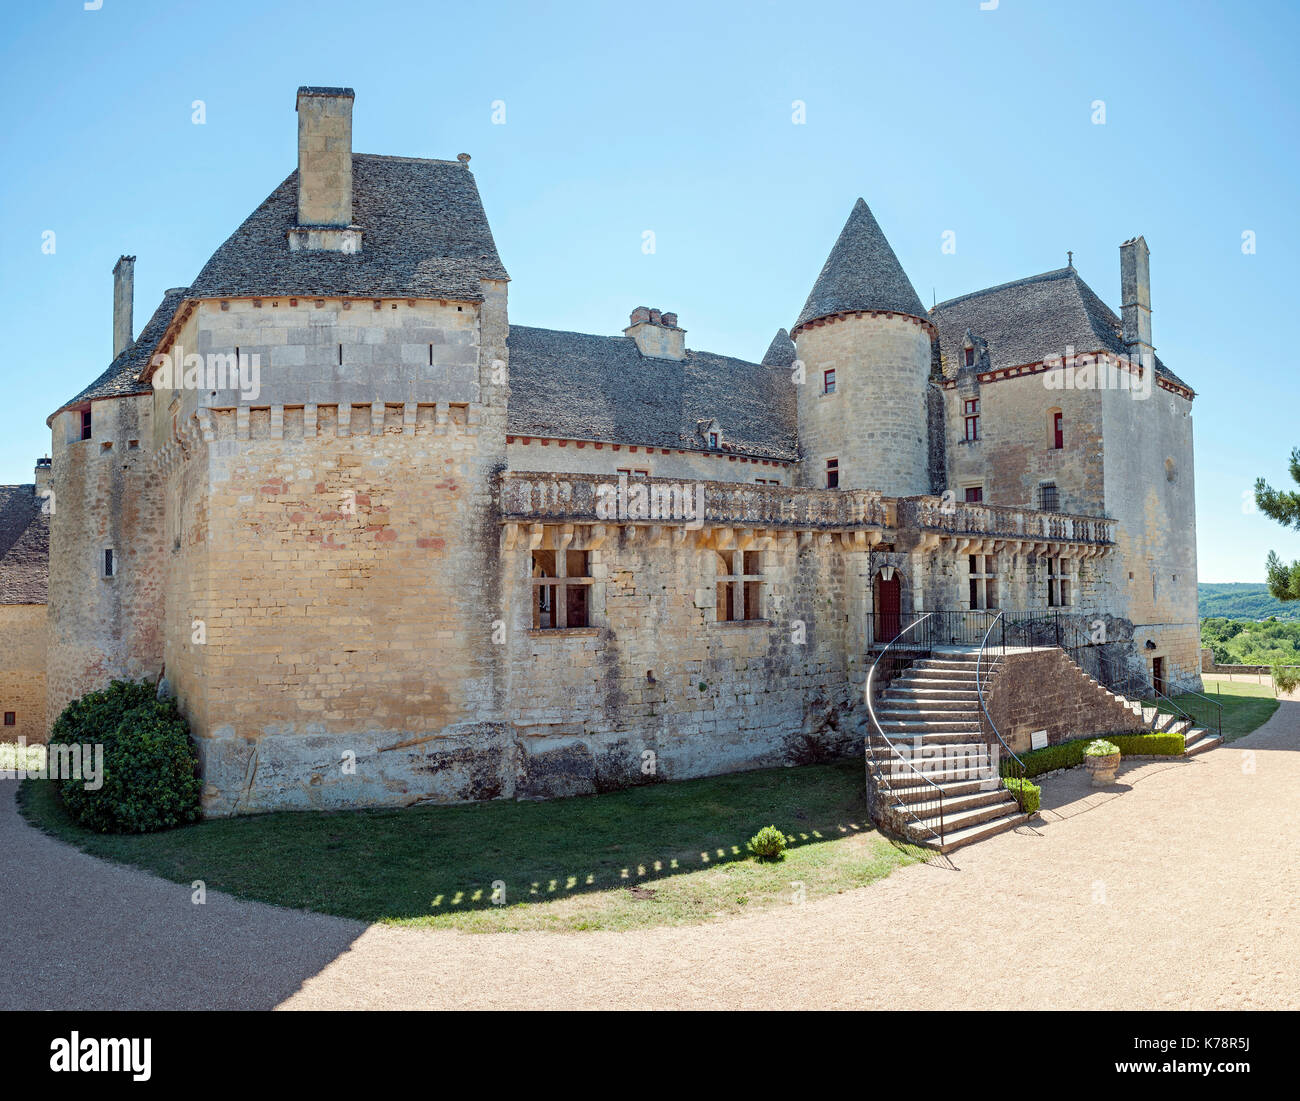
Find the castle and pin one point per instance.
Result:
(385, 548)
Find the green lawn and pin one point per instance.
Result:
(665, 854)
(1246, 707)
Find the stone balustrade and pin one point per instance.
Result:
(595, 498)
(933, 515)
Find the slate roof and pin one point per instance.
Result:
(24, 547)
(861, 273)
(781, 352)
(123, 374)
(424, 235)
(577, 386)
(1032, 319)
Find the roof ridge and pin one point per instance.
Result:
(1056, 273)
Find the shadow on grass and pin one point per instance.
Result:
(421, 862)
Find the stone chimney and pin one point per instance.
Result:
(1135, 294)
(656, 333)
(123, 303)
(325, 171)
(42, 476)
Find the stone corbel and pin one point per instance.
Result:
(679, 536)
(509, 536)
(596, 536)
(724, 539)
(929, 541)
(536, 532)
(563, 538)
(805, 539)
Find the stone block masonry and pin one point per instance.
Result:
(1044, 690)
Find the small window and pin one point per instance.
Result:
(739, 585)
(110, 566)
(970, 357)
(713, 439)
(972, 412)
(1058, 431)
(1048, 499)
(982, 576)
(640, 474)
(974, 495)
(561, 589)
(11, 718)
(85, 424)
(1058, 583)
(832, 474)
(828, 382)
(132, 445)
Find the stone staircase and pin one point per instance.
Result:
(932, 712)
(1195, 739)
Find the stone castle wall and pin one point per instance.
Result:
(22, 671)
(876, 422)
(106, 495)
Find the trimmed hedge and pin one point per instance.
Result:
(1032, 793)
(1070, 754)
(150, 779)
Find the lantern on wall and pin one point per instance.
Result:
(886, 573)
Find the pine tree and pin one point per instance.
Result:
(1284, 507)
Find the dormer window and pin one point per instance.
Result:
(713, 439)
(970, 357)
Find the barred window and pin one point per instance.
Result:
(1048, 499)
(983, 580)
(739, 585)
(561, 589)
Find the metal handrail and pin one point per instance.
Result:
(877, 781)
(1017, 766)
(1210, 700)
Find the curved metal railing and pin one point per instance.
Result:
(888, 803)
(1012, 766)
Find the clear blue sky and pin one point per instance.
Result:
(677, 118)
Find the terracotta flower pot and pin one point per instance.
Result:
(1103, 769)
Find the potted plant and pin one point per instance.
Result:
(1102, 759)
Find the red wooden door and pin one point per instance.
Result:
(888, 609)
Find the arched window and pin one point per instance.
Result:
(1056, 429)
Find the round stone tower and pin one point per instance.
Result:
(864, 341)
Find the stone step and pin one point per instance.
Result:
(956, 805)
(952, 789)
(898, 776)
(975, 816)
(925, 705)
(1198, 741)
(955, 839)
(935, 720)
(924, 691)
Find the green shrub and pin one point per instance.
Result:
(1150, 745)
(1070, 754)
(150, 774)
(769, 843)
(1032, 794)
(1101, 748)
(1285, 680)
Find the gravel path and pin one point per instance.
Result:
(80, 933)
(1178, 889)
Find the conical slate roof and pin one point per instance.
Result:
(780, 353)
(861, 273)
